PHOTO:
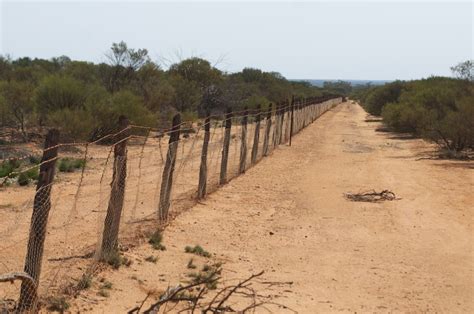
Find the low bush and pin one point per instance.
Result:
(155, 241)
(70, 164)
(197, 250)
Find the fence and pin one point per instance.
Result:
(125, 190)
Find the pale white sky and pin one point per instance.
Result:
(304, 39)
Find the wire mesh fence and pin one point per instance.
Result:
(93, 197)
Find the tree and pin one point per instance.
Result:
(123, 63)
(58, 92)
(339, 87)
(464, 70)
(17, 97)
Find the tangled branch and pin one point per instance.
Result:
(371, 196)
(202, 301)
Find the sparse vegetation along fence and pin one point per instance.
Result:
(95, 199)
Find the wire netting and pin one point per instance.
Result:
(78, 228)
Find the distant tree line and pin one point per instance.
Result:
(440, 109)
(83, 99)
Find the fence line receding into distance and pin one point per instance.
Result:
(125, 190)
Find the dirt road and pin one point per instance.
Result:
(288, 216)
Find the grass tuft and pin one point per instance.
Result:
(58, 304)
(155, 241)
(197, 250)
(151, 259)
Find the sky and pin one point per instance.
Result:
(371, 40)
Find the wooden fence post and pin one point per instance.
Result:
(292, 116)
(225, 149)
(39, 219)
(167, 178)
(203, 168)
(256, 137)
(282, 120)
(117, 192)
(268, 126)
(243, 143)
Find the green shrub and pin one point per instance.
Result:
(23, 179)
(58, 304)
(85, 282)
(34, 160)
(8, 166)
(70, 164)
(155, 241)
(116, 260)
(197, 250)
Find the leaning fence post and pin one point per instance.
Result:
(243, 143)
(203, 167)
(167, 178)
(39, 219)
(225, 149)
(256, 137)
(117, 192)
(268, 126)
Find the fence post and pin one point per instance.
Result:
(282, 120)
(167, 178)
(225, 149)
(256, 137)
(292, 116)
(203, 167)
(117, 192)
(268, 126)
(243, 143)
(39, 219)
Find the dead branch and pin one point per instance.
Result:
(371, 196)
(24, 277)
(183, 299)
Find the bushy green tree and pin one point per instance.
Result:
(17, 103)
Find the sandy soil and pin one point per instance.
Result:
(288, 216)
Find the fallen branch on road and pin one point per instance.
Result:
(198, 297)
(371, 196)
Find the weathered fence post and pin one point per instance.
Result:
(39, 219)
(203, 168)
(167, 178)
(117, 192)
(282, 120)
(292, 116)
(243, 144)
(256, 137)
(225, 149)
(268, 126)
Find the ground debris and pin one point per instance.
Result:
(371, 196)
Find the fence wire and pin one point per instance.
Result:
(78, 228)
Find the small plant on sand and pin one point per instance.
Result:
(191, 265)
(116, 260)
(155, 241)
(152, 259)
(209, 275)
(85, 282)
(198, 250)
(70, 164)
(107, 285)
(103, 293)
(57, 304)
